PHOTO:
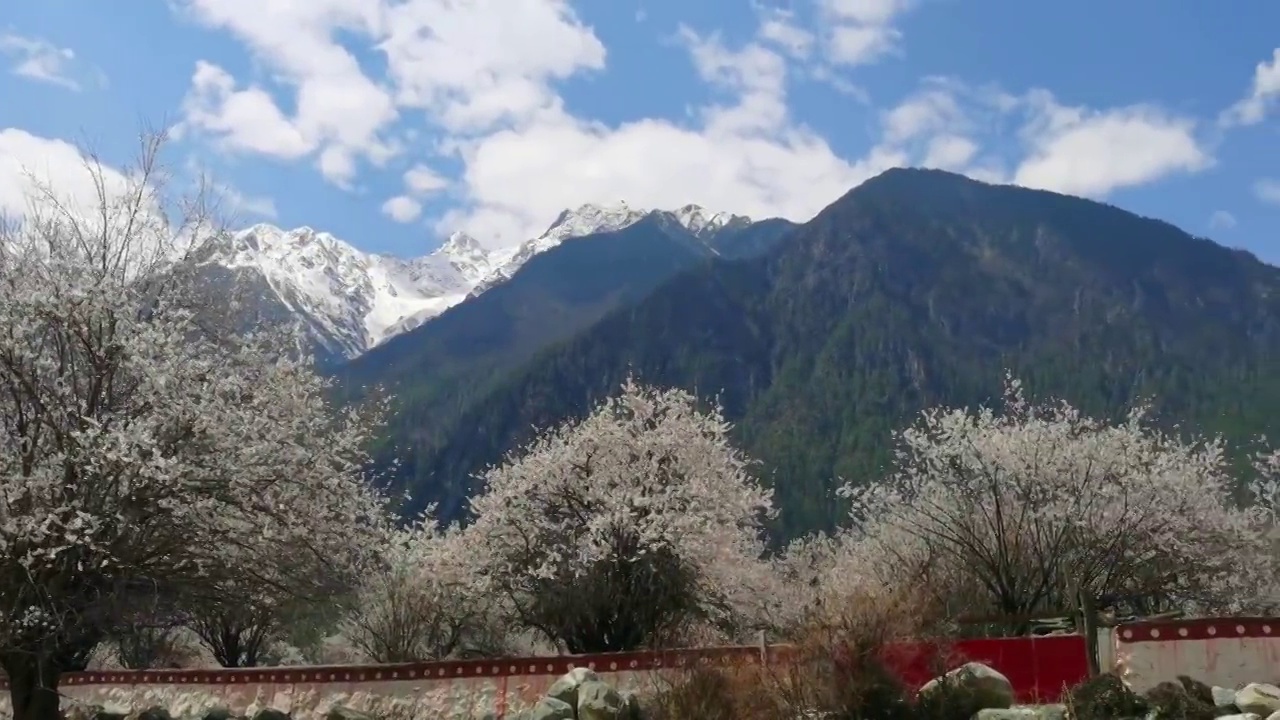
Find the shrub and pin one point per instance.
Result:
(1103, 698)
(838, 667)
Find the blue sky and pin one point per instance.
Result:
(393, 122)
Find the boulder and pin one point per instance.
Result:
(1016, 713)
(338, 712)
(1261, 699)
(1241, 716)
(566, 688)
(155, 712)
(218, 713)
(270, 713)
(111, 712)
(549, 708)
(597, 700)
(1024, 712)
(73, 710)
(1223, 697)
(981, 686)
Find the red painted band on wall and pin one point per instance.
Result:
(441, 670)
(1198, 629)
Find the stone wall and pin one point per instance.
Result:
(1218, 651)
(1039, 669)
(476, 688)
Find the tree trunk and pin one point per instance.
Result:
(33, 685)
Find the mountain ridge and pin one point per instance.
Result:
(351, 301)
(915, 289)
(436, 371)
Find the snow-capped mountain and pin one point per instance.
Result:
(589, 219)
(352, 300)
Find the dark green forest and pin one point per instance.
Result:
(915, 289)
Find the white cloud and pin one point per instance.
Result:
(1075, 150)
(516, 181)
(472, 65)
(480, 82)
(241, 120)
(422, 180)
(468, 65)
(27, 161)
(336, 107)
(1091, 153)
(950, 152)
(779, 27)
(40, 60)
(944, 124)
(1262, 95)
(482, 76)
(235, 204)
(55, 178)
(933, 109)
(1267, 190)
(402, 209)
(743, 153)
(754, 76)
(860, 31)
(1222, 220)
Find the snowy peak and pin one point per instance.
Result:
(701, 222)
(590, 219)
(460, 243)
(354, 300)
(465, 254)
(268, 241)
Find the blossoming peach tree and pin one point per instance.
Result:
(144, 455)
(1033, 505)
(626, 529)
(421, 600)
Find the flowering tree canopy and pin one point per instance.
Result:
(622, 529)
(143, 454)
(422, 600)
(1039, 502)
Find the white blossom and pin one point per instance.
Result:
(422, 600)
(1031, 504)
(145, 452)
(606, 532)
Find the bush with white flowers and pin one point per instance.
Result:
(146, 455)
(626, 529)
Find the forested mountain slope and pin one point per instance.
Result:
(436, 371)
(915, 288)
